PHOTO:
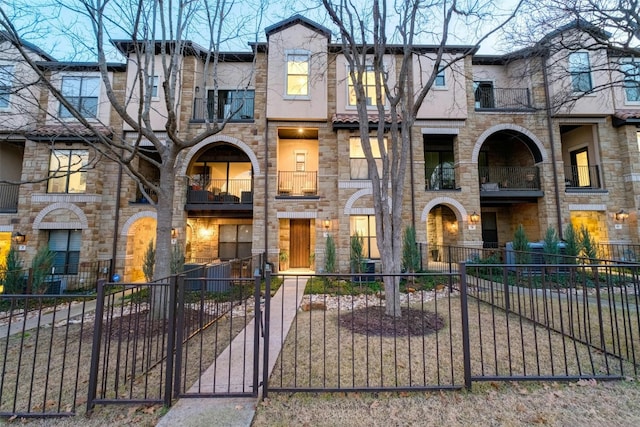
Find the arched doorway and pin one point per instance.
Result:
(443, 230)
(140, 233)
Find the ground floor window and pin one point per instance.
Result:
(365, 226)
(65, 244)
(235, 241)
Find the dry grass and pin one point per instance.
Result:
(505, 404)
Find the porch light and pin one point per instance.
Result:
(621, 215)
(174, 233)
(326, 223)
(19, 237)
(474, 218)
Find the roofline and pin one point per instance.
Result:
(78, 66)
(397, 48)
(35, 49)
(125, 47)
(294, 20)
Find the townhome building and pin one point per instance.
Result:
(541, 137)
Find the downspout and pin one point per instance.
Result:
(266, 157)
(116, 222)
(551, 142)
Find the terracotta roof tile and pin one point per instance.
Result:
(70, 130)
(627, 114)
(340, 118)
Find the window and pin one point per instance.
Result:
(297, 74)
(300, 162)
(154, 87)
(235, 241)
(65, 244)
(365, 226)
(369, 84)
(631, 71)
(232, 104)
(439, 162)
(358, 160)
(580, 72)
(440, 79)
(82, 94)
(6, 77)
(66, 171)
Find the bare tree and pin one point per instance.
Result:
(154, 36)
(367, 35)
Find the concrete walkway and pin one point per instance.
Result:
(235, 374)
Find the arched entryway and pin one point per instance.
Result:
(139, 233)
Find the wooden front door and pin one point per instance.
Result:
(299, 246)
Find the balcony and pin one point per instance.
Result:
(220, 194)
(489, 98)
(582, 178)
(297, 184)
(9, 198)
(237, 110)
(442, 177)
(514, 182)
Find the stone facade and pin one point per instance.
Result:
(491, 147)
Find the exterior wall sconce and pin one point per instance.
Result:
(621, 215)
(174, 233)
(326, 224)
(19, 237)
(474, 218)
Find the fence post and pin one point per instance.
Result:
(505, 284)
(177, 366)
(95, 347)
(265, 333)
(464, 311)
(256, 331)
(171, 337)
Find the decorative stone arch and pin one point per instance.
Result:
(350, 210)
(132, 220)
(221, 138)
(534, 143)
(80, 224)
(459, 210)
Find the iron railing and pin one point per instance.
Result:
(506, 99)
(582, 177)
(240, 109)
(442, 177)
(509, 178)
(294, 183)
(9, 197)
(218, 191)
(77, 278)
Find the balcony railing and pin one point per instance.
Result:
(506, 99)
(206, 108)
(509, 178)
(9, 198)
(442, 177)
(294, 183)
(582, 177)
(220, 191)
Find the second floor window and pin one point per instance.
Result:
(580, 71)
(297, 74)
(67, 172)
(82, 94)
(631, 71)
(6, 77)
(369, 83)
(232, 104)
(358, 160)
(440, 79)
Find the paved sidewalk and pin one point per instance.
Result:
(233, 375)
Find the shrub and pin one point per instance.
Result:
(572, 244)
(149, 262)
(550, 246)
(356, 254)
(588, 244)
(177, 260)
(410, 255)
(521, 246)
(12, 275)
(330, 255)
(41, 268)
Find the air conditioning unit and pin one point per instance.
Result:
(536, 250)
(55, 285)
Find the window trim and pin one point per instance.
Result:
(296, 52)
(82, 77)
(9, 86)
(575, 73)
(442, 72)
(632, 62)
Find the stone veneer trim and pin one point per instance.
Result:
(297, 215)
(350, 210)
(506, 126)
(144, 214)
(6, 228)
(224, 138)
(587, 207)
(460, 211)
(82, 222)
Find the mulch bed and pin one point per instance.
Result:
(373, 321)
